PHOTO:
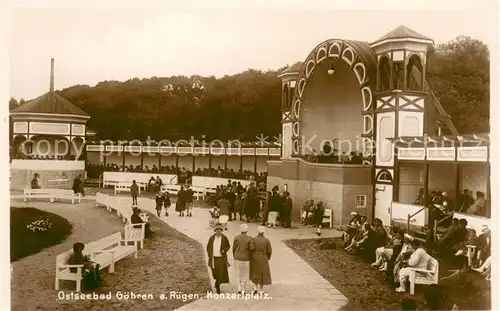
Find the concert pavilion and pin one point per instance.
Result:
(373, 99)
(369, 101)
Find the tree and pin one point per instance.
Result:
(13, 103)
(458, 71)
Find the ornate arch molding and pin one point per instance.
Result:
(363, 62)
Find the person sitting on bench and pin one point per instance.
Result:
(136, 219)
(90, 269)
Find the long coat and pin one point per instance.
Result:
(219, 272)
(260, 273)
(180, 205)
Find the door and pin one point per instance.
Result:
(383, 202)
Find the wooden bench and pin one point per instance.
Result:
(171, 189)
(105, 252)
(424, 276)
(327, 217)
(51, 194)
(66, 194)
(135, 233)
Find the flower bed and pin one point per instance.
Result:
(32, 230)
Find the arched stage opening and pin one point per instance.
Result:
(332, 108)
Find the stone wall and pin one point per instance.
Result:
(337, 186)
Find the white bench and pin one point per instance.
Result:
(471, 250)
(424, 276)
(51, 194)
(327, 217)
(171, 189)
(135, 233)
(105, 252)
(101, 199)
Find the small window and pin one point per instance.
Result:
(360, 201)
(384, 176)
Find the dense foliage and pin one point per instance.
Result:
(246, 105)
(32, 229)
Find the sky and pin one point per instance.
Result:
(120, 42)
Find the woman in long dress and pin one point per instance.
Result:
(260, 272)
(180, 205)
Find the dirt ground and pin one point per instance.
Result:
(170, 261)
(365, 288)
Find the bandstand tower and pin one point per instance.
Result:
(48, 138)
(288, 83)
(400, 97)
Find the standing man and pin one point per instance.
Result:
(217, 248)
(134, 191)
(260, 273)
(242, 246)
(189, 201)
(35, 182)
(287, 210)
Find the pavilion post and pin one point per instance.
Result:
(430, 210)
(255, 161)
(123, 158)
(194, 163)
(458, 181)
(210, 161)
(241, 161)
(159, 160)
(177, 163)
(225, 161)
(142, 161)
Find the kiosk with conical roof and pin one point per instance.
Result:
(48, 138)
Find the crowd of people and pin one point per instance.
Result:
(443, 205)
(396, 251)
(95, 170)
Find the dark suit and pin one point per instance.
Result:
(287, 212)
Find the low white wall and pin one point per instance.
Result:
(400, 212)
(139, 177)
(475, 222)
(213, 182)
(48, 165)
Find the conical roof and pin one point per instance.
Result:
(47, 104)
(403, 32)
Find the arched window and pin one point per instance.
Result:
(384, 177)
(414, 73)
(398, 75)
(384, 74)
(286, 100)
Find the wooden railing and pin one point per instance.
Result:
(410, 216)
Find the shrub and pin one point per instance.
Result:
(32, 230)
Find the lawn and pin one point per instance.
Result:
(365, 288)
(32, 230)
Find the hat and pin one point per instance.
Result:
(261, 229)
(217, 227)
(353, 214)
(396, 242)
(244, 228)
(484, 227)
(409, 237)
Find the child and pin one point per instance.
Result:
(166, 202)
(214, 213)
(159, 203)
(90, 269)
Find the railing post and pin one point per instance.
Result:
(408, 224)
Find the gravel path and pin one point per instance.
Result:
(169, 262)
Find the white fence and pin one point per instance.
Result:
(213, 182)
(114, 178)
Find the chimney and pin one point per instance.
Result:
(51, 76)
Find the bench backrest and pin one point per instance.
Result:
(63, 258)
(433, 265)
(103, 243)
(328, 214)
(37, 191)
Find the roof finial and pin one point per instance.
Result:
(51, 76)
